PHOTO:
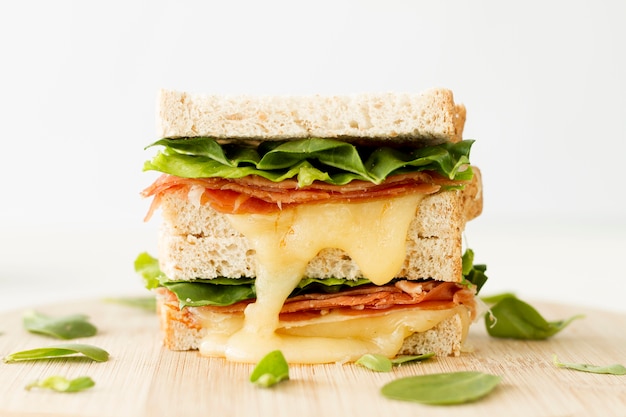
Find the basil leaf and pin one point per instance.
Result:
(62, 384)
(467, 261)
(200, 147)
(381, 363)
(68, 350)
(399, 360)
(513, 318)
(270, 370)
(67, 327)
(375, 362)
(493, 299)
(329, 152)
(442, 388)
(148, 267)
(308, 160)
(223, 291)
(327, 285)
(615, 369)
(473, 274)
(197, 294)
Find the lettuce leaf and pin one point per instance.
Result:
(307, 160)
(224, 291)
(473, 274)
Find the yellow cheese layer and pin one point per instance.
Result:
(330, 338)
(373, 233)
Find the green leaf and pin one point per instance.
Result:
(467, 261)
(62, 384)
(375, 362)
(399, 360)
(223, 291)
(148, 267)
(307, 160)
(327, 285)
(513, 318)
(201, 147)
(473, 274)
(381, 363)
(615, 369)
(443, 388)
(197, 294)
(67, 327)
(493, 299)
(271, 369)
(332, 153)
(68, 350)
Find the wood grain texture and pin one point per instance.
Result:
(143, 379)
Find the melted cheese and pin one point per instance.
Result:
(329, 338)
(373, 233)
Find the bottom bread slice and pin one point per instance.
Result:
(182, 330)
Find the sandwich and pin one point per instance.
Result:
(326, 227)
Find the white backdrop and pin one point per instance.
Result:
(543, 82)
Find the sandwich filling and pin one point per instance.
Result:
(291, 200)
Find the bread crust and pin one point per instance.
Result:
(430, 117)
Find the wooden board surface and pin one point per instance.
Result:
(143, 379)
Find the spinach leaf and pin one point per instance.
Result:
(196, 294)
(223, 291)
(271, 369)
(68, 350)
(442, 388)
(511, 317)
(615, 369)
(473, 274)
(308, 160)
(493, 299)
(381, 363)
(67, 327)
(375, 362)
(148, 267)
(62, 384)
(399, 360)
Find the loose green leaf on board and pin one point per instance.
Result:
(399, 360)
(375, 362)
(614, 369)
(67, 350)
(512, 318)
(271, 369)
(442, 388)
(67, 327)
(381, 363)
(62, 384)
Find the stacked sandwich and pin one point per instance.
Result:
(324, 226)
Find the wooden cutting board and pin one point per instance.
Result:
(143, 379)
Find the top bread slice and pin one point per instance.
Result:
(430, 117)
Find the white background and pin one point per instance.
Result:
(543, 82)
